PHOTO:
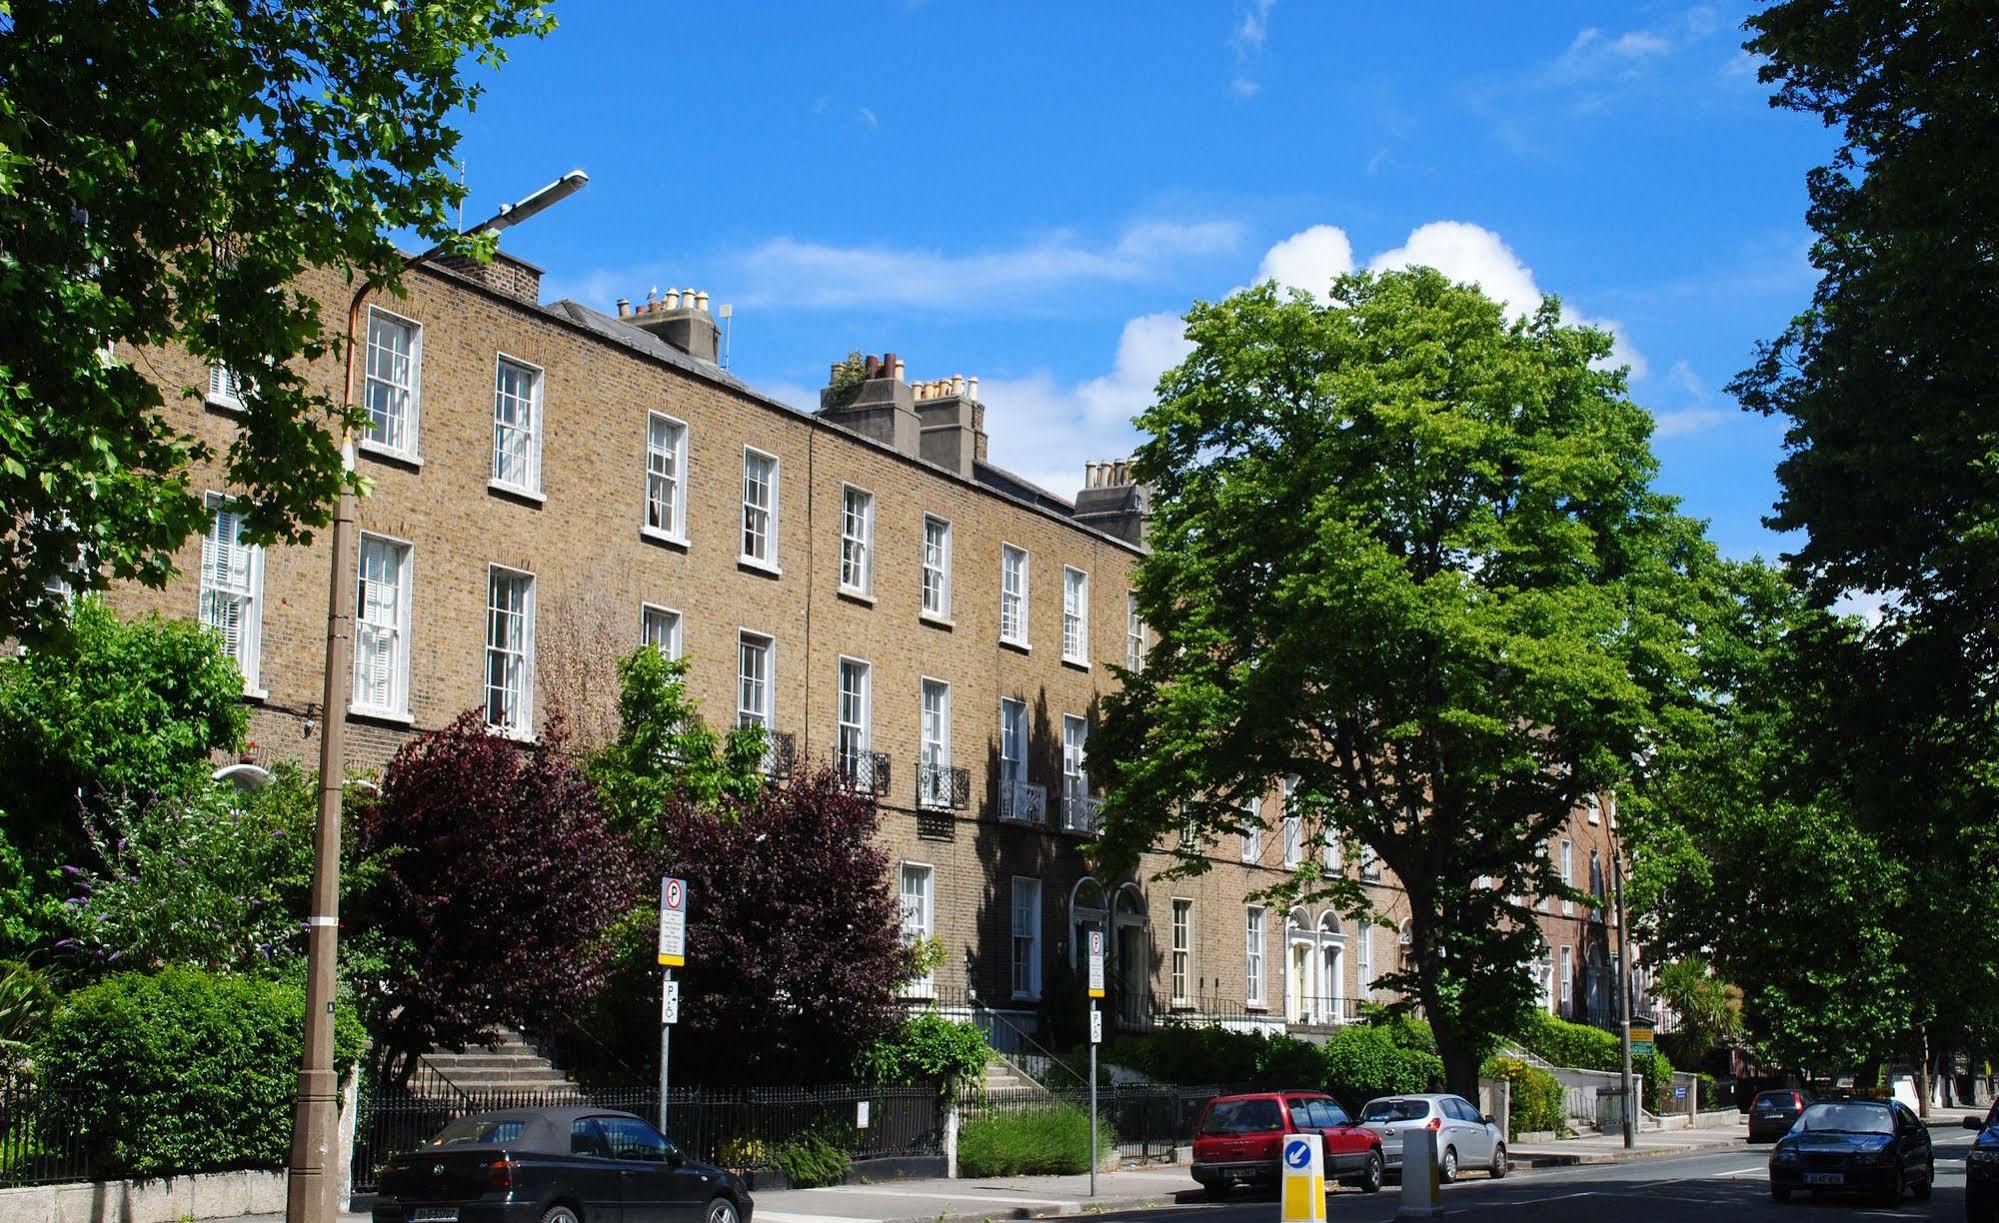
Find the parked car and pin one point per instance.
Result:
(1772, 1112)
(555, 1165)
(1239, 1139)
(1877, 1147)
(1981, 1169)
(1466, 1138)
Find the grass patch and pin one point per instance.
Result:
(1046, 1139)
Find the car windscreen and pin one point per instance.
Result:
(1243, 1117)
(1776, 1099)
(480, 1132)
(1848, 1119)
(1382, 1111)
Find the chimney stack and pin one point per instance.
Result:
(680, 318)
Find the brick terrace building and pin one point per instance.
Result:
(553, 486)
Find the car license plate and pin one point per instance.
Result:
(1234, 1174)
(1811, 1178)
(434, 1214)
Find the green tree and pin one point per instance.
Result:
(1710, 1009)
(106, 713)
(665, 751)
(167, 172)
(1407, 552)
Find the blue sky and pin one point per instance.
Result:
(1029, 194)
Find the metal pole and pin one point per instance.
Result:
(1624, 1000)
(1093, 1099)
(665, 1040)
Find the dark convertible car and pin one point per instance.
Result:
(556, 1165)
(1877, 1147)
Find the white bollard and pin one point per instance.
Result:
(1419, 1176)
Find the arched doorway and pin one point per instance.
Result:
(1332, 968)
(1132, 952)
(1088, 910)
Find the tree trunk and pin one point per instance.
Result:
(1461, 1061)
(1923, 1071)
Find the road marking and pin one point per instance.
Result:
(785, 1216)
(971, 1197)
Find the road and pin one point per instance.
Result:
(1730, 1185)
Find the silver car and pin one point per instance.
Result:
(1466, 1138)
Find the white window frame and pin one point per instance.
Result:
(1255, 987)
(1075, 616)
(1370, 864)
(937, 568)
(411, 446)
(750, 527)
(1566, 984)
(1568, 876)
(1025, 942)
(520, 723)
(398, 704)
(673, 457)
(853, 728)
(1180, 954)
(1013, 740)
(1134, 635)
(745, 714)
(1294, 824)
(1332, 854)
(924, 924)
(1013, 601)
(249, 596)
(1075, 761)
(1252, 829)
(1364, 958)
(225, 389)
(857, 540)
(536, 408)
(933, 751)
(653, 613)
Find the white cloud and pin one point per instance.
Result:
(1252, 29)
(1243, 87)
(793, 273)
(1310, 260)
(1685, 420)
(1045, 432)
(868, 117)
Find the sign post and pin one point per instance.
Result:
(1096, 1038)
(1304, 1179)
(672, 955)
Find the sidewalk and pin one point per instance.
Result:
(1609, 1148)
(998, 1197)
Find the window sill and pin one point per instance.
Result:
(1259, 1007)
(745, 561)
(259, 695)
(1015, 644)
(386, 716)
(856, 596)
(936, 620)
(223, 404)
(515, 491)
(1020, 997)
(1076, 664)
(389, 454)
(663, 537)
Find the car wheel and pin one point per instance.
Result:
(721, 1210)
(1372, 1173)
(1499, 1165)
(1891, 1193)
(1779, 1193)
(1447, 1167)
(1928, 1182)
(559, 1214)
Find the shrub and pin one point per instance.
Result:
(1364, 1062)
(1577, 1046)
(1535, 1100)
(183, 1071)
(814, 1158)
(1048, 1139)
(927, 1048)
(1186, 1054)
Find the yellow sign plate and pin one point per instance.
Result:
(674, 961)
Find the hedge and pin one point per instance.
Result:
(1536, 1103)
(1577, 1046)
(1357, 1064)
(1364, 1062)
(1048, 1139)
(183, 1071)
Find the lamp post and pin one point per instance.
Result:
(1623, 976)
(309, 1195)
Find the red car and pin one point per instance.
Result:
(1238, 1140)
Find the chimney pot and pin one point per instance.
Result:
(958, 384)
(624, 307)
(872, 366)
(897, 363)
(701, 300)
(971, 388)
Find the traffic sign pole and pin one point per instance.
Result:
(672, 955)
(665, 1039)
(1096, 1037)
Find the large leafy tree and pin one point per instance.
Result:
(1889, 382)
(1406, 551)
(486, 880)
(167, 171)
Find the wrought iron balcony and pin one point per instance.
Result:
(780, 753)
(1081, 810)
(941, 787)
(864, 772)
(1022, 802)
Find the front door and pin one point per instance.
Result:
(1132, 973)
(1299, 983)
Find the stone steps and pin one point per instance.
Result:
(509, 1065)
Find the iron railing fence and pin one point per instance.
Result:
(1151, 1120)
(41, 1136)
(734, 1127)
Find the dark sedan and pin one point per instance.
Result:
(556, 1165)
(1981, 1169)
(1876, 1147)
(1772, 1112)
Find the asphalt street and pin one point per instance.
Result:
(1729, 1185)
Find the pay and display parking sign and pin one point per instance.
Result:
(673, 922)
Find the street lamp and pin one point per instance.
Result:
(309, 1196)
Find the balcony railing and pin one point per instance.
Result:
(943, 788)
(780, 753)
(1081, 811)
(1022, 802)
(864, 772)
